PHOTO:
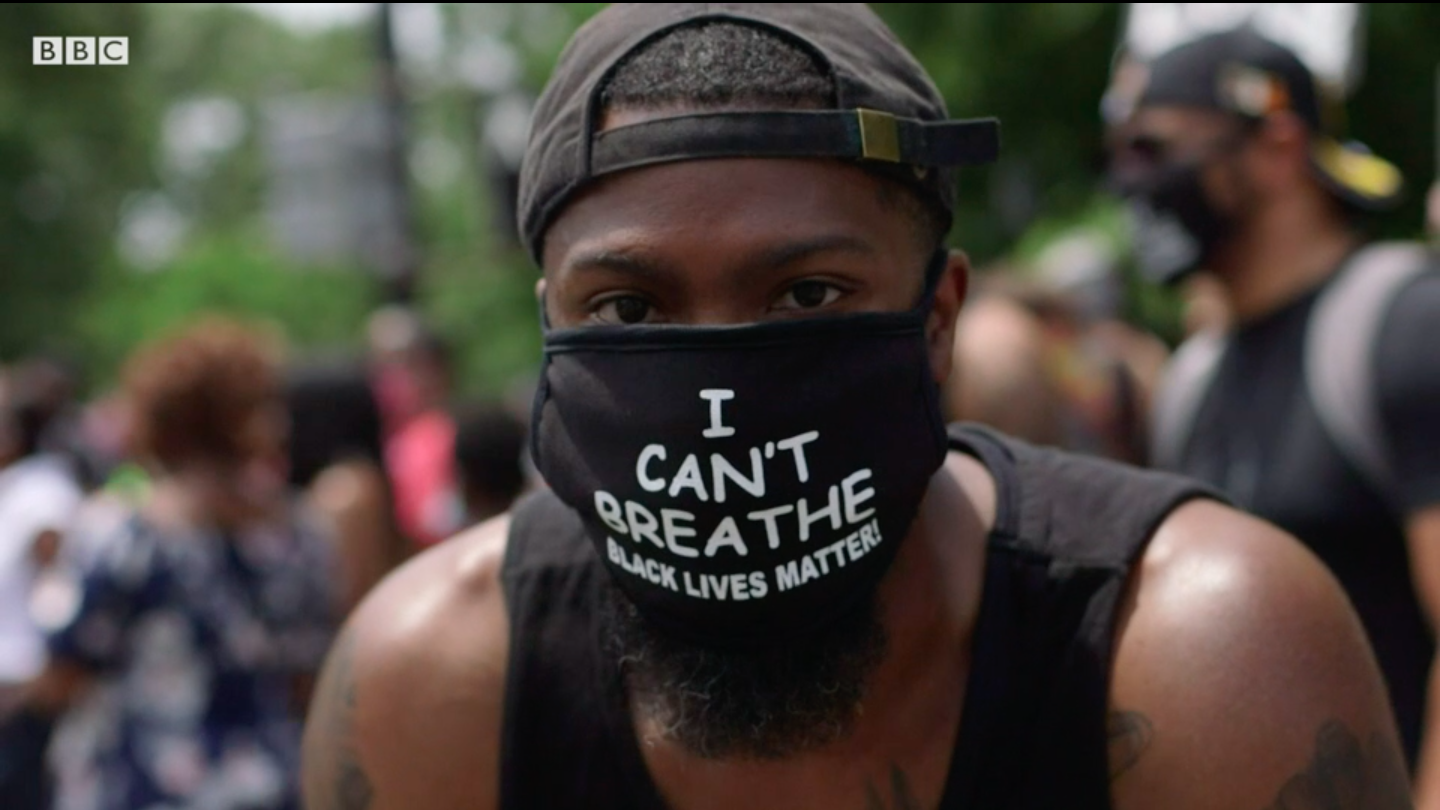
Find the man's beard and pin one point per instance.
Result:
(763, 704)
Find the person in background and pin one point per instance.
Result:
(489, 461)
(337, 458)
(1049, 360)
(53, 383)
(390, 335)
(186, 666)
(1001, 372)
(1229, 167)
(420, 453)
(1113, 365)
(39, 496)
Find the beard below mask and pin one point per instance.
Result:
(764, 704)
(1177, 227)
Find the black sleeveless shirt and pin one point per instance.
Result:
(1032, 735)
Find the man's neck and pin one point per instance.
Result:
(930, 601)
(1287, 255)
(932, 593)
(911, 714)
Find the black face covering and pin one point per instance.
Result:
(1176, 227)
(744, 484)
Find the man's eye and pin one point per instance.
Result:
(624, 310)
(810, 295)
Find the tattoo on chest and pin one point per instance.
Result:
(334, 778)
(897, 796)
(1345, 775)
(1129, 734)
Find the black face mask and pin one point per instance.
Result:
(748, 484)
(1176, 228)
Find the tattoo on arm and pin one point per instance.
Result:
(1130, 734)
(333, 776)
(1343, 775)
(902, 798)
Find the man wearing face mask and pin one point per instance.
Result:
(1319, 407)
(764, 575)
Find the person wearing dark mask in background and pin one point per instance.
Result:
(1318, 407)
(489, 461)
(763, 573)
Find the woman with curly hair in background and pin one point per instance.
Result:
(185, 669)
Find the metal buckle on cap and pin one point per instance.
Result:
(879, 135)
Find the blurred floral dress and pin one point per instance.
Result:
(200, 643)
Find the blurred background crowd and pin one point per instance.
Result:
(262, 283)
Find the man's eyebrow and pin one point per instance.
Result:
(631, 263)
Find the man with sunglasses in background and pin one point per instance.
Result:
(1319, 407)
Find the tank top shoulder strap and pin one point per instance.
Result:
(1079, 509)
(545, 534)
(1068, 531)
(564, 702)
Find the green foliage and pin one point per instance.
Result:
(1041, 68)
(1395, 111)
(490, 311)
(71, 147)
(75, 142)
(229, 274)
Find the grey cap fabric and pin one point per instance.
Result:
(887, 111)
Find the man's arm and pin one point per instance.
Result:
(407, 712)
(334, 779)
(1243, 679)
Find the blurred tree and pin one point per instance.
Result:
(1394, 112)
(1041, 68)
(71, 147)
(75, 142)
(229, 272)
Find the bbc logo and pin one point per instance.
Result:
(81, 50)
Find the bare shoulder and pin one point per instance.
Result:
(1243, 678)
(408, 710)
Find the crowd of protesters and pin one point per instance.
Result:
(177, 555)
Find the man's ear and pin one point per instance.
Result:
(940, 327)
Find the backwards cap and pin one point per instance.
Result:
(887, 113)
(1242, 72)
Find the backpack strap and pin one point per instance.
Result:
(1340, 353)
(1182, 389)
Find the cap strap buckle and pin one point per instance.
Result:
(879, 135)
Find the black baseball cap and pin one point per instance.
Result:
(1242, 72)
(887, 112)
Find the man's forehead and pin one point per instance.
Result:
(728, 205)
